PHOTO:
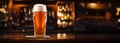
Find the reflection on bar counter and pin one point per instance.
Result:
(61, 36)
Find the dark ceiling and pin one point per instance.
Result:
(61, 0)
(54, 1)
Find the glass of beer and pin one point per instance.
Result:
(39, 19)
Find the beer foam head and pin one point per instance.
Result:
(39, 7)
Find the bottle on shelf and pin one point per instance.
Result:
(4, 16)
(64, 20)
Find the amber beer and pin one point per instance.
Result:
(39, 19)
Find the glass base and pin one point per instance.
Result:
(32, 36)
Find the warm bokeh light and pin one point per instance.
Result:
(70, 23)
(58, 36)
(63, 22)
(61, 36)
(96, 5)
(65, 17)
(118, 11)
(26, 18)
(118, 20)
(82, 4)
(25, 10)
(93, 4)
(3, 10)
(11, 18)
(64, 35)
(29, 12)
(59, 14)
(58, 22)
(5, 6)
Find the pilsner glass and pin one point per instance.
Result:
(39, 19)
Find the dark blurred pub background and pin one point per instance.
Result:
(80, 16)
